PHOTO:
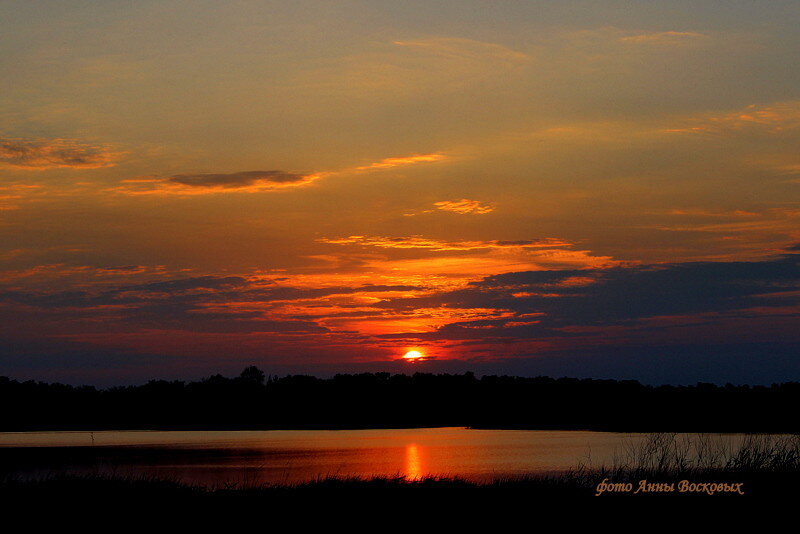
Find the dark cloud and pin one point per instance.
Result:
(544, 302)
(622, 294)
(39, 154)
(239, 179)
(185, 292)
(195, 304)
(65, 299)
(185, 284)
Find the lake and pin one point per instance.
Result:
(216, 458)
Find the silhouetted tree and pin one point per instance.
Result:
(253, 374)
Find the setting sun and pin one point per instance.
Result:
(413, 355)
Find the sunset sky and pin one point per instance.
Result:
(594, 189)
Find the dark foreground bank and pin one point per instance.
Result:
(380, 400)
(708, 486)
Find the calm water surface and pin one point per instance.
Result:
(289, 456)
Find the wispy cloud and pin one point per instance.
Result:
(417, 242)
(412, 67)
(742, 234)
(209, 183)
(252, 181)
(701, 212)
(667, 37)
(771, 118)
(242, 179)
(781, 220)
(11, 194)
(464, 206)
(388, 163)
(61, 274)
(40, 154)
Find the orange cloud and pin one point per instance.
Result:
(418, 320)
(240, 179)
(574, 281)
(417, 242)
(464, 206)
(771, 118)
(249, 181)
(40, 154)
(203, 184)
(388, 163)
(441, 269)
(11, 194)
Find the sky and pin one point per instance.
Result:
(593, 189)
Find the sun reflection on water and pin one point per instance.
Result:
(413, 462)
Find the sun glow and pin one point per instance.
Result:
(413, 355)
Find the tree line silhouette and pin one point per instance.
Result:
(383, 400)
